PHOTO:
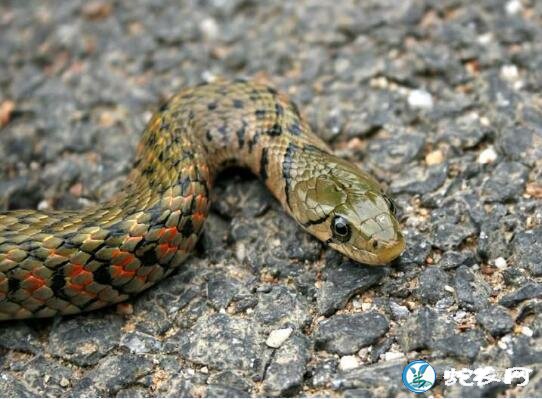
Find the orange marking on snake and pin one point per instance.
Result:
(201, 201)
(198, 217)
(33, 282)
(79, 271)
(122, 258)
(165, 249)
(168, 233)
(119, 272)
(81, 289)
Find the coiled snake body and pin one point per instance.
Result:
(59, 262)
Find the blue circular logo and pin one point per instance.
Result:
(419, 376)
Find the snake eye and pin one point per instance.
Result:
(391, 205)
(341, 229)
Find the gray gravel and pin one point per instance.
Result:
(440, 99)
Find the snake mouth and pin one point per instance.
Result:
(391, 250)
(385, 254)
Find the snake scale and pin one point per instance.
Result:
(66, 262)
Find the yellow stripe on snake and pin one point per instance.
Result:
(66, 262)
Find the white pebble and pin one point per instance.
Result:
(489, 155)
(500, 263)
(389, 356)
(485, 38)
(420, 99)
(513, 7)
(509, 72)
(356, 304)
(526, 331)
(278, 337)
(348, 363)
(399, 311)
(209, 27)
(42, 205)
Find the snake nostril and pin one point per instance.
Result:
(375, 244)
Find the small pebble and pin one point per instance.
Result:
(209, 27)
(485, 38)
(526, 331)
(6, 109)
(349, 362)
(64, 382)
(390, 356)
(399, 311)
(513, 7)
(278, 337)
(43, 204)
(434, 157)
(500, 263)
(420, 99)
(509, 72)
(449, 288)
(487, 156)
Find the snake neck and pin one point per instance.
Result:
(203, 130)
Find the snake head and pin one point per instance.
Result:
(345, 208)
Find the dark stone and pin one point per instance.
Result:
(527, 250)
(379, 379)
(418, 180)
(496, 320)
(346, 334)
(506, 183)
(230, 379)
(112, 374)
(464, 345)
(454, 259)
(280, 307)
(84, 340)
(417, 332)
(35, 369)
(322, 373)
(284, 376)
(396, 151)
(220, 291)
(416, 252)
(525, 352)
(222, 342)
(20, 337)
(221, 391)
(527, 291)
(11, 386)
(381, 347)
(515, 142)
(344, 280)
(432, 285)
(448, 236)
(514, 277)
(139, 342)
(244, 302)
(471, 290)
(463, 135)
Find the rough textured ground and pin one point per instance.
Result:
(439, 99)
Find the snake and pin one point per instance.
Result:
(58, 262)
